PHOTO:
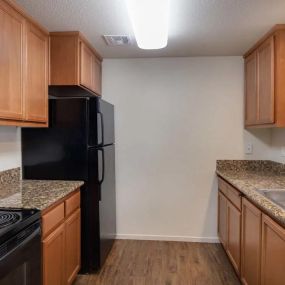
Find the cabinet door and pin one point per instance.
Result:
(251, 90)
(273, 253)
(53, 257)
(12, 42)
(222, 219)
(72, 245)
(265, 82)
(250, 243)
(97, 76)
(86, 66)
(234, 235)
(36, 87)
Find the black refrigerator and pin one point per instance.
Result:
(79, 145)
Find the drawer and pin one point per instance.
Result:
(234, 196)
(223, 186)
(52, 219)
(72, 203)
(230, 192)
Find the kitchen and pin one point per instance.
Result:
(142, 159)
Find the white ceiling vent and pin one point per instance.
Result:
(117, 40)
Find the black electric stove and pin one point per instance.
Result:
(20, 247)
(12, 221)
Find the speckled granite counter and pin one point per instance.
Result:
(249, 176)
(32, 194)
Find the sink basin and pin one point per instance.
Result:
(275, 195)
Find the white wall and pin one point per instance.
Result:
(277, 143)
(174, 118)
(10, 147)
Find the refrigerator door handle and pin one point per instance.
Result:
(103, 171)
(103, 166)
(102, 127)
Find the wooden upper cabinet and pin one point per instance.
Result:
(86, 66)
(36, 99)
(273, 252)
(264, 84)
(251, 90)
(75, 66)
(63, 59)
(12, 53)
(97, 76)
(250, 243)
(23, 68)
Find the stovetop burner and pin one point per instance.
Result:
(7, 219)
(12, 221)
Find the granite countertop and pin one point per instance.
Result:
(32, 194)
(249, 176)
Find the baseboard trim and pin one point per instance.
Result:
(168, 238)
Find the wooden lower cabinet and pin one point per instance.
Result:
(53, 257)
(250, 243)
(61, 242)
(72, 243)
(234, 238)
(229, 226)
(254, 242)
(222, 219)
(272, 252)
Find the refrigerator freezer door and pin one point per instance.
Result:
(101, 122)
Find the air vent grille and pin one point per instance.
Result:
(117, 40)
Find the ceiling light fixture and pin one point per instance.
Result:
(150, 22)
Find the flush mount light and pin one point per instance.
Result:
(150, 22)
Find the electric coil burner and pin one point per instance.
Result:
(20, 247)
(7, 219)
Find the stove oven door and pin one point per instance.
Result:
(20, 258)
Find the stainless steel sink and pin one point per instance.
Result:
(275, 195)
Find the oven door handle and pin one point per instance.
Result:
(19, 241)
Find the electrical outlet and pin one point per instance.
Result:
(249, 148)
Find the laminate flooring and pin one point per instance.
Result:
(136, 262)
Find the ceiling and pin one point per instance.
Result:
(196, 28)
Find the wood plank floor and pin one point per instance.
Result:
(163, 263)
